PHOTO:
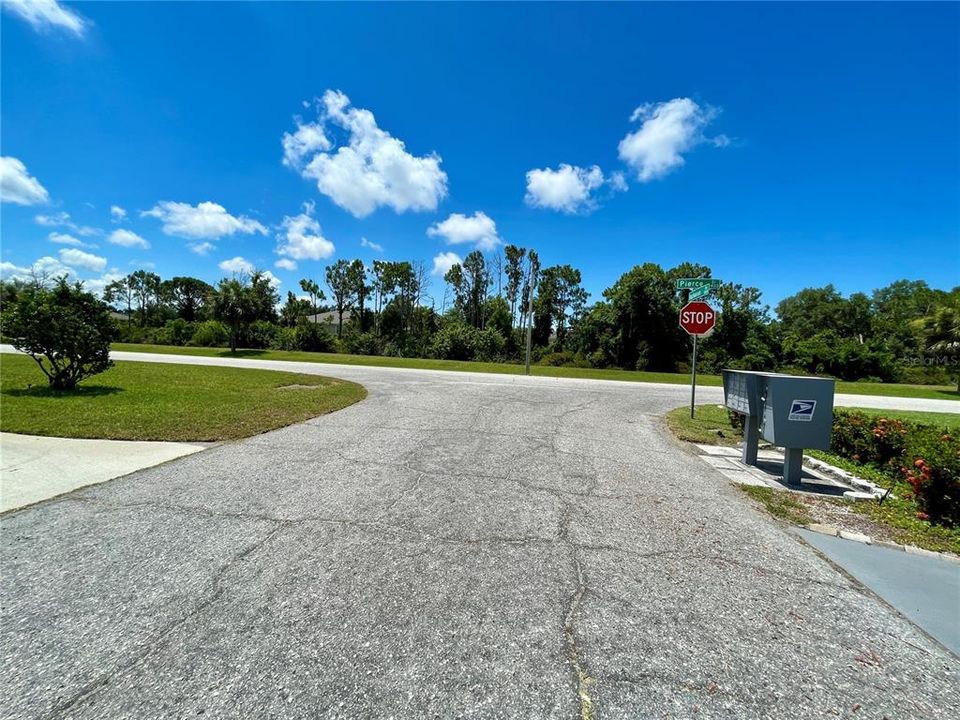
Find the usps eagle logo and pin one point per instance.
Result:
(802, 410)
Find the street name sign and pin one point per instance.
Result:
(696, 283)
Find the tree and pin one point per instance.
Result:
(514, 271)
(311, 288)
(145, 287)
(264, 297)
(294, 310)
(65, 330)
(339, 280)
(477, 282)
(232, 304)
(188, 295)
(119, 293)
(560, 300)
(940, 334)
(357, 277)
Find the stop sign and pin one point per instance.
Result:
(698, 318)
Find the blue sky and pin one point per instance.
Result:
(785, 146)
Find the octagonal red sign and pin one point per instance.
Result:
(698, 318)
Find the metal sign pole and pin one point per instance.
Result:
(526, 368)
(693, 377)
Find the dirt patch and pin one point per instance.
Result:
(301, 387)
(838, 513)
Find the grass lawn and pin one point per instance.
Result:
(894, 519)
(158, 401)
(916, 391)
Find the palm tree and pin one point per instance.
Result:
(940, 334)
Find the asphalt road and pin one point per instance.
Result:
(453, 546)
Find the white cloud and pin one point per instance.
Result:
(97, 285)
(302, 239)
(478, 230)
(202, 248)
(307, 140)
(618, 181)
(64, 239)
(62, 219)
(376, 247)
(46, 14)
(236, 265)
(127, 238)
(669, 129)
(206, 220)
(271, 278)
(285, 264)
(18, 186)
(568, 188)
(81, 259)
(56, 220)
(372, 170)
(117, 213)
(444, 261)
(45, 267)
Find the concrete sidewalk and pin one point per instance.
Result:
(925, 589)
(35, 468)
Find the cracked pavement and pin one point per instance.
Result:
(453, 546)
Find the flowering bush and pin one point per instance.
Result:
(926, 457)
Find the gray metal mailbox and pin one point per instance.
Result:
(789, 411)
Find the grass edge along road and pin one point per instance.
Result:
(933, 392)
(895, 519)
(160, 401)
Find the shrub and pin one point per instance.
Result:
(563, 359)
(131, 333)
(175, 332)
(458, 341)
(362, 344)
(210, 333)
(310, 337)
(925, 456)
(258, 334)
(65, 330)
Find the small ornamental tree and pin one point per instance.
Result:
(65, 330)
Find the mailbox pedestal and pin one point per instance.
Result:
(789, 411)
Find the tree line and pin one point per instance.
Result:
(490, 304)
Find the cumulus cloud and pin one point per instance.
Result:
(62, 219)
(202, 248)
(444, 261)
(668, 130)
(285, 264)
(96, 285)
(205, 221)
(117, 213)
(376, 247)
(18, 186)
(568, 189)
(373, 169)
(47, 14)
(81, 259)
(477, 229)
(302, 238)
(236, 265)
(44, 268)
(127, 238)
(65, 239)
(307, 140)
(271, 278)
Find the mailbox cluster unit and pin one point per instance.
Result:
(788, 411)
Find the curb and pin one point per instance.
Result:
(867, 540)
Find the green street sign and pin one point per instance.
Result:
(696, 283)
(699, 293)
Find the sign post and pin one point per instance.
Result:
(698, 319)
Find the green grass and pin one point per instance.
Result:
(897, 512)
(780, 504)
(889, 389)
(709, 426)
(950, 421)
(160, 401)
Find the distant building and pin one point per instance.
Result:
(330, 319)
